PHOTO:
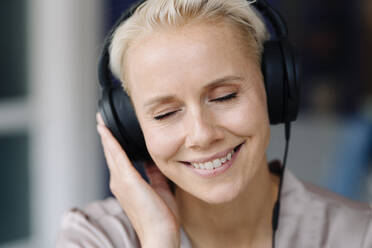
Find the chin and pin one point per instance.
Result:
(220, 194)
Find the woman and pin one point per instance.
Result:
(192, 69)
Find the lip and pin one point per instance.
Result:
(211, 158)
(219, 170)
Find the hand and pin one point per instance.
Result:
(152, 210)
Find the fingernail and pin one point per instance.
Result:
(100, 130)
(97, 114)
(99, 119)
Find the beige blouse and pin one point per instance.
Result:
(310, 217)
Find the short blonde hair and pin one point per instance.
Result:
(154, 14)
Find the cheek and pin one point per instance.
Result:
(249, 118)
(162, 143)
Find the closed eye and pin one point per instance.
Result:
(225, 98)
(163, 116)
(220, 99)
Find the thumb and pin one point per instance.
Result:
(160, 184)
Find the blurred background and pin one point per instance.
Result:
(50, 155)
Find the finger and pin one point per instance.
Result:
(160, 184)
(100, 119)
(106, 152)
(117, 158)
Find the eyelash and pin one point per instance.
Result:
(225, 98)
(220, 99)
(161, 117)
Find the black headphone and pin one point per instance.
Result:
(280, 68)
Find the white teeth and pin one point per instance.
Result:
(228, 156)
(217, 163)
(210, 165)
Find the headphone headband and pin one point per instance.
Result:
(274, 17)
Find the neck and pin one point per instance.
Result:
(245, 220)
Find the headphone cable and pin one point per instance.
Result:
(276, 210)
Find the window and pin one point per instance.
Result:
(14, 141)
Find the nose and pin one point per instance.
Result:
(202, 130)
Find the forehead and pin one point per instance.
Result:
(197, 52)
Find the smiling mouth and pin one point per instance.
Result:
(214, 161)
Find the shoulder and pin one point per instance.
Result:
(345, 221)
(99, 224)
(312, 215)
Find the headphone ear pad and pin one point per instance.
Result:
(273, 70)
(119, 116)
(293, 68)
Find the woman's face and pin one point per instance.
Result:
(198, 95)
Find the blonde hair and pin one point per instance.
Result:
(154, 14)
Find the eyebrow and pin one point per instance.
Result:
(213, 84)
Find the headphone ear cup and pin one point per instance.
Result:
(107, 112)
(119, 116)
(273, 70)
(292, 65)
